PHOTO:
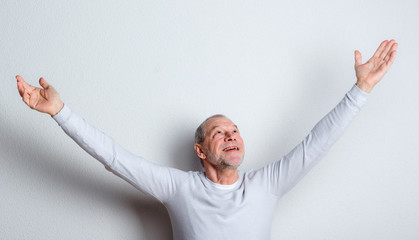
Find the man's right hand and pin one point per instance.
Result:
(46, 100)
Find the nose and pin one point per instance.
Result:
(230, 136)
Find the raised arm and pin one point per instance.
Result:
(45, 99)
(156, 180)
(285, 173)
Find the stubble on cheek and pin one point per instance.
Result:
(223, 162)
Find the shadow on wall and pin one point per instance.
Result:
(183, 151)
(42, 159)
(316, 79)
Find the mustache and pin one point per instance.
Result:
(240, 146)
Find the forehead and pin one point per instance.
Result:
(218, 122)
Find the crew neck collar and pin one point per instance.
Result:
(223, 186)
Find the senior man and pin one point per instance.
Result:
(221, 202)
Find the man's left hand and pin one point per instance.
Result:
(371, 72)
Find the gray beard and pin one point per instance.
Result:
(222, 163)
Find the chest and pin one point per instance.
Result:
(201, 210)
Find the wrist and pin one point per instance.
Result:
(57, 109)
(364, 86)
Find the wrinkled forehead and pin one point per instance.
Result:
(218, 122)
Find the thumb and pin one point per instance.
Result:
(358, 58)
(43, 83)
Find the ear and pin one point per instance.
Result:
(200, 151)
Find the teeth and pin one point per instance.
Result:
(230, 148)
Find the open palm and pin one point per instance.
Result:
(45, 99)
(371, 72)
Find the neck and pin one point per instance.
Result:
(225, 176)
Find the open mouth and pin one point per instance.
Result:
(230, 148)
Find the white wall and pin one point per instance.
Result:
(148, 72)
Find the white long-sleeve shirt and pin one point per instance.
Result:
(201, 209)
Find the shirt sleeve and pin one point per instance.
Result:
(280, 176)
(158, 181)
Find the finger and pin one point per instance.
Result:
(20, 88)
(387, 49)
(394, 47)
(26, 97)
(390, 51)
(387, 57)
(380, 49)
(24, 84)
(43, 83)
(392, 57)
(19, 78)
(358, 58)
